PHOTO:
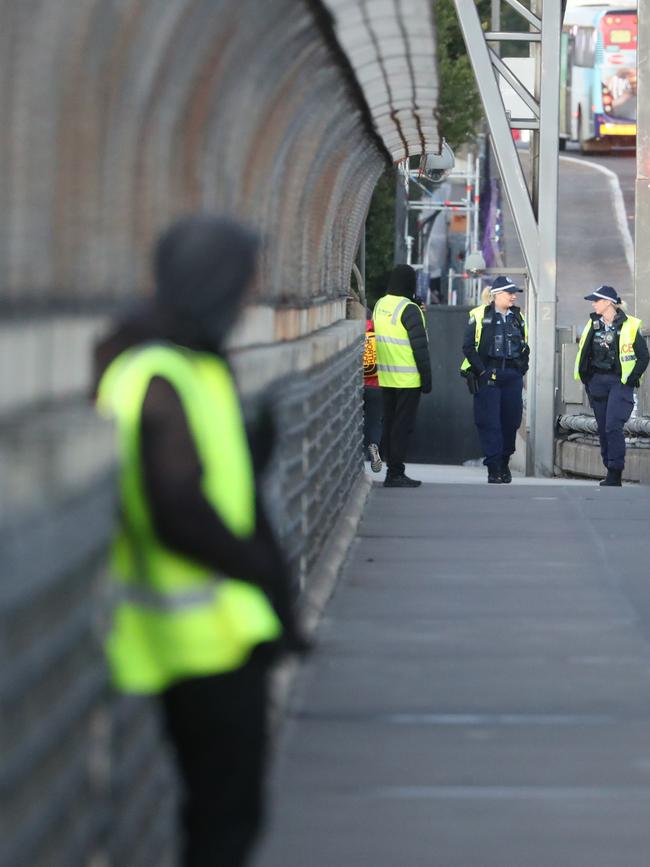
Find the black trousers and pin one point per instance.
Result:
(400, 409)
(498, 409)
(612, 403)
(217, 726)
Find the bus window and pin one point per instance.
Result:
(585, 46)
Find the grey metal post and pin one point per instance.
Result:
(532, 311)
(496, 21)
(536, 54)
(401, 215)
(642, 258)
(468, 212)
(543, 430)
(496, 15)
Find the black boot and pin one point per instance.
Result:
(506, 475)
(494, 474)
(613, 479)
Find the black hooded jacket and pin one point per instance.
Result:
(200, 284)
(402, 282)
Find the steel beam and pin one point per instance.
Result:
(496, 14)
(513, 36)
(496, 21)
(523, 123)
(519, 88)
(543, 426)
(642, 256)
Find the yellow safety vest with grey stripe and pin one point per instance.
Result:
(476, 315)
(396, 366)
(173, 617)
(629, 330)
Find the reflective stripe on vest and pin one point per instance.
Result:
(476, 315)
(396, 367)
(148, 597)
(173, 617)
(629, 329)
(399, 341)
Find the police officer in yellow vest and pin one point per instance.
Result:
(495, 347)
(203, 598)
(612, 356)
(403, 368)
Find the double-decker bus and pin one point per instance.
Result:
(598, 74)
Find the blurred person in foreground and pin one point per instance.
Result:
(612, 357)
(403, 367)
(203, 591)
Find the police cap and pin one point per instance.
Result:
(504, 284)
(604, 293)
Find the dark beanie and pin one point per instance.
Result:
(203, 264)
(203, 261)
(402, 281)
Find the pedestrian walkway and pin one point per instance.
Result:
(480, 696)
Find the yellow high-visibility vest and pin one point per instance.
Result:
(629, 330)
(476, 315)
(174, 618)
(396, 367)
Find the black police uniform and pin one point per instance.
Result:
(611, 400)
(500, 363)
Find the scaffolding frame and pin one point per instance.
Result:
(468, 205)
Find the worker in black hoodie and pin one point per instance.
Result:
(403, 367)
(190, 505)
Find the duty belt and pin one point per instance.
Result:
(503, 362)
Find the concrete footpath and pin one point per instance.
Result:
(480, 696)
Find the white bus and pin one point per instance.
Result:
(598, 74)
